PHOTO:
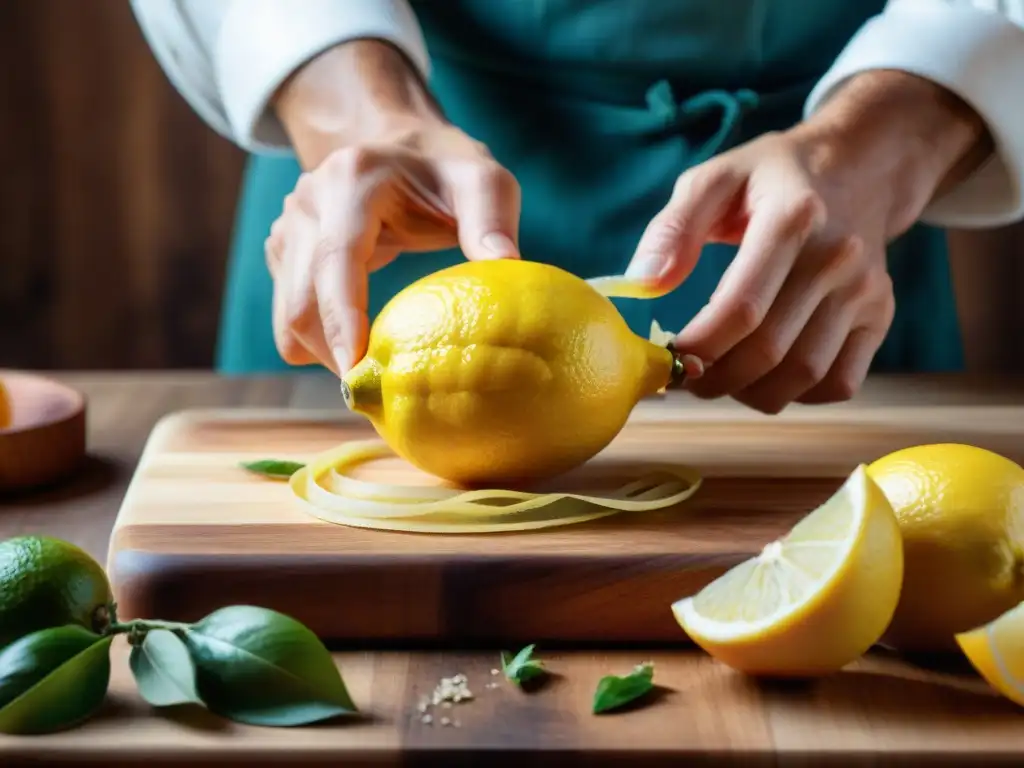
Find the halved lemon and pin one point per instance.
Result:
(810, 602)
(996, 650)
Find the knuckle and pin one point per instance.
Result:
(289, 348)
(304, 185)
(762, 403)
(494, 175)
(845, 388)
(768, 350)
(326, 250)
(809, 370)
(352, 162)
(704, 180)
(803, 211)
(296, 317)
(749, 311)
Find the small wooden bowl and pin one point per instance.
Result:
(45, 441)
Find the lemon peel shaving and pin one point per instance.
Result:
(332, 495)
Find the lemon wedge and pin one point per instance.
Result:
(996, 650)
(810, 602)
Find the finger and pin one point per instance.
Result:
(851, 367)
(289, 346)
(814, 278)
(351, 201)
(487, 201)
(671, 244)
(284, 308)
(297, 333)
(809, 360)
(773, 240)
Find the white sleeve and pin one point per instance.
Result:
(974, 48)
(228, 57)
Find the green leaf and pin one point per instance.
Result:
(277, 469)
(52, 679)
(257, 666)
(521, 667)
(163, 670)
(613, 692)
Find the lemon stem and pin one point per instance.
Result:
(137, 629)
(360, 387)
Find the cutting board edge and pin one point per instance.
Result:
(464, 599)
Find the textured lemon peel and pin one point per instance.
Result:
(331, 495)
(334, 496)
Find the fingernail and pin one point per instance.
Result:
(647, 267)
(498, 244)
(342, 359)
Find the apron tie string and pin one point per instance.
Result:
(733, 106)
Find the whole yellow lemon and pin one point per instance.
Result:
(502, 371)
(960, 511)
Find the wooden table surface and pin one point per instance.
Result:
(881, 710)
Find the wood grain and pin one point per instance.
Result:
(880, 711)
(196, 531)
(117, 200)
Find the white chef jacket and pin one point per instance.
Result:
(228, 57)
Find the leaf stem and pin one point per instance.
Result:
(137, 628)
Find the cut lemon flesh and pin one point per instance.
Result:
(812, 601)
(996, 650)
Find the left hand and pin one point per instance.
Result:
(807, 301)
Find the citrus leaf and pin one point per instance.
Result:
(273, 468)
(164, 672)
(613, 692)
(257, 666)
(52, 679)
(521, 667)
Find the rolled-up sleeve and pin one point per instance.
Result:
(228, 57)
(975, 49)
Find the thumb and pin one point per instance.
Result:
(487, 201)
(671, 245)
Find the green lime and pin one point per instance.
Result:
(46, 582)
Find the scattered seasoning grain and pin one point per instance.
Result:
(448, 692)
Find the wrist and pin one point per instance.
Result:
(353, 92)
(903, 131)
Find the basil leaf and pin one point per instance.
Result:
(613, 692)
(521, 667)
(274, 468)
(52, 679)
(257, 666)
(163, 670)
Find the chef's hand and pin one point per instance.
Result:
(396, 178)
(807, 301)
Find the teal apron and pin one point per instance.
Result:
(597, 106)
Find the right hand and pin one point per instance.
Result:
(423, 187)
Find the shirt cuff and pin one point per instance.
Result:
(262, 42)
(977, 55)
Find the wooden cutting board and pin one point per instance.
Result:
(195, 532)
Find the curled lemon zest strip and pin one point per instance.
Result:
(332, 495)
